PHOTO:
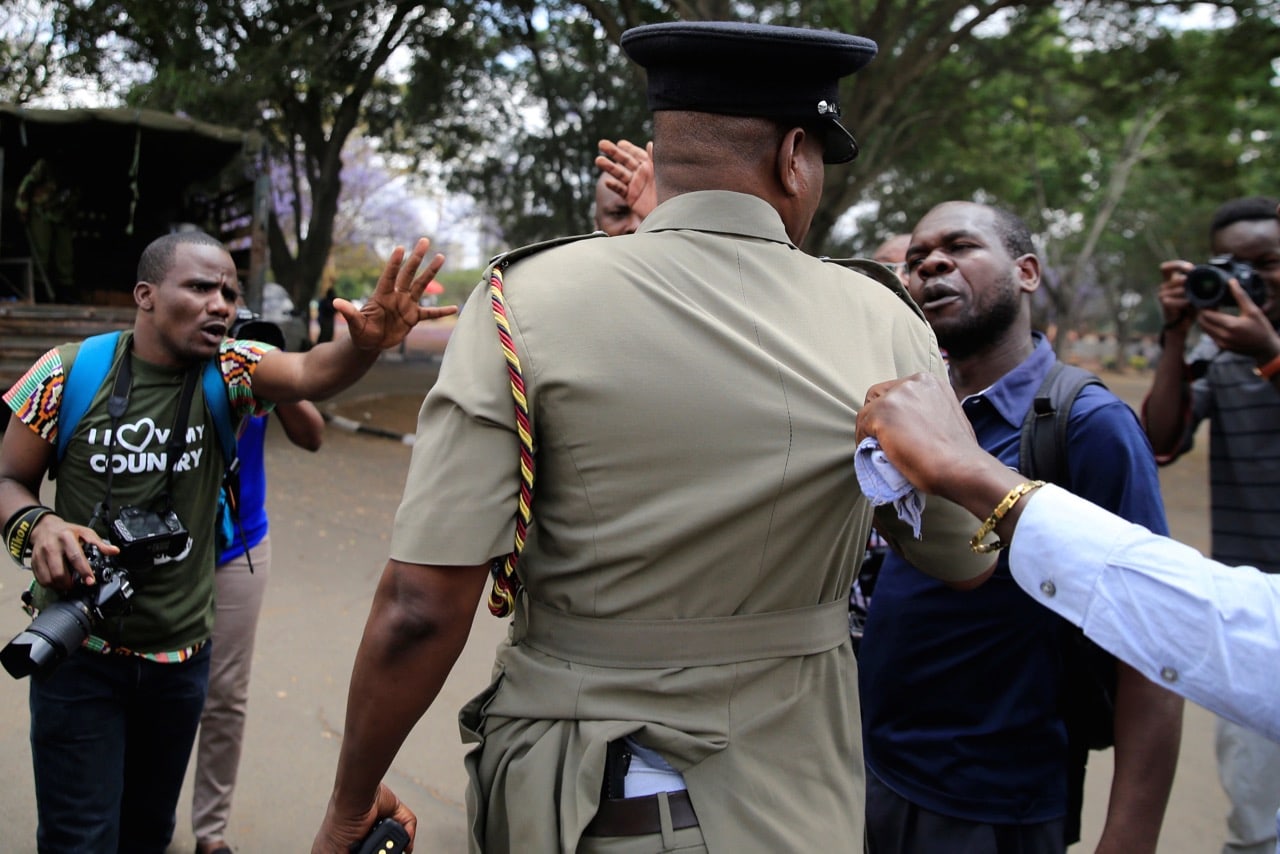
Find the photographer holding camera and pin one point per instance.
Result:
(1231, 377)
(112, 725)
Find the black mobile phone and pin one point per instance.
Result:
(388, 836)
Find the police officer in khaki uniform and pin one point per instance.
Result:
(679, 674)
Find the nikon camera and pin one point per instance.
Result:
(1207, 283)
(143, 537)
(60, 629)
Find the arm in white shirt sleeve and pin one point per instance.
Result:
(1205, 630)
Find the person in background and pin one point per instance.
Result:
(47, 204)
(325, 316)
(1232, 378)
(626, 170)
(611, 213)
(241, 581)
(893, 254)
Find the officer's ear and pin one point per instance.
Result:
(790, 169)
(144, 296)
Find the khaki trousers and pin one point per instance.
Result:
(239, 601)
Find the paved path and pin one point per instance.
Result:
(331, 517)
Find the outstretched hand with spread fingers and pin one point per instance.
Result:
(628, 170)
(386, 318)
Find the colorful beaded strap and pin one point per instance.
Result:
(506, 584)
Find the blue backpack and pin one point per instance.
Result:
(87, 374)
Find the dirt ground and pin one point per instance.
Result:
(1197, 810)
(331, 515)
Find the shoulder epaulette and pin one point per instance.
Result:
(883, 275)
(506, 259)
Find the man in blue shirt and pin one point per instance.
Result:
(962, 691)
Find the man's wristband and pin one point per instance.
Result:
(17, 531)
(1002, 509)
(1269, 370)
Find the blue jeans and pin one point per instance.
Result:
(110, 739)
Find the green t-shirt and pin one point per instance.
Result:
(172, 605)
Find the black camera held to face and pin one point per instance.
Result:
(1207, 283)
(62, 627)
(252, 327)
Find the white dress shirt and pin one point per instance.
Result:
(1207, 631)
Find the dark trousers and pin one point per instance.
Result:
(897, 826)
(110, 739)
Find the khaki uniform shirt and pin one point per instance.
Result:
(693, 390)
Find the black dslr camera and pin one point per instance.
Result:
(145, 536)
(59, 629)
(1207, 283)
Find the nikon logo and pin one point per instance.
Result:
(18, 539)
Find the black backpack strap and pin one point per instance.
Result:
(1089, 672)
(1042, 449)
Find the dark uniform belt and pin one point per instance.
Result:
(640, 816)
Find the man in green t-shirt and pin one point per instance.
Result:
(112, 726)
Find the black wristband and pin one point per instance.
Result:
(1182, 315)
(1168, 327)
(17, 531)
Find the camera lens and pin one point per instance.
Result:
(1207, 286)
(51, 637)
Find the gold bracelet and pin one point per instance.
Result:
(1005, 505)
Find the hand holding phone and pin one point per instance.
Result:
(387, 836)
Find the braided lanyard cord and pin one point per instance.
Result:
(506, 584)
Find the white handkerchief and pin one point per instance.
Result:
(882, 483)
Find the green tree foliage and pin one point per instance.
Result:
(555, 83)
(32, 62)
(954, 81)
(1110, 127)
(1115, 153)
(308, 74)
(1112, 130)
(458, 284)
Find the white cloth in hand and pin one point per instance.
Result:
(882, 483)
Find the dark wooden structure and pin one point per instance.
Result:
(133, 175)
(28, 331)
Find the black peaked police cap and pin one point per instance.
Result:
(783, 73)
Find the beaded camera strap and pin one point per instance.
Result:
(506, 583)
